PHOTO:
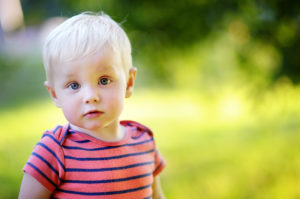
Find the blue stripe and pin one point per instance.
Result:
(52, 138)
(108, 147)
(108, 169)
(48, 149)
(65, 134)
(105, 193)
(149, 197)
(109, 158)
(38, 170)
(58, 127)
(46, 162)
(80, 141)
(107, 181)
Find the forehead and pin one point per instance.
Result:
(105, 60)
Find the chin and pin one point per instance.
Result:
(94, 127)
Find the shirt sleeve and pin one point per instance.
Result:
(46, 162)
(160, 163)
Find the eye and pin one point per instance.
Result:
(104, 81)
(74, 86)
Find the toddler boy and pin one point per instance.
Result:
(89, 74)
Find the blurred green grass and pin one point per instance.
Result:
(223, 147)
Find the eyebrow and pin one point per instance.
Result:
(109, 68)
(70, 75)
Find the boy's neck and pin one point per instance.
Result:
(112, 133)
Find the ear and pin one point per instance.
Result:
(130, 81)
(52, 93)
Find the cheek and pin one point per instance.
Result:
(116, 99)
(70, 110)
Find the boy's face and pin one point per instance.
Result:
(91, 90)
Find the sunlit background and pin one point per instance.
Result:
(218, 82)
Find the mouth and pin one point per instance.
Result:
(93, 114)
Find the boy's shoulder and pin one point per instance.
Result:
(140, 128)
(58, 133)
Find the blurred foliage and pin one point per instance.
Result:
(21, 79)
(263, 34)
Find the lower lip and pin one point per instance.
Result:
(93, 115)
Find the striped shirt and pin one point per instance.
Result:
(75, 165)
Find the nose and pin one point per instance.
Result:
(91, 95)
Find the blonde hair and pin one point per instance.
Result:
(82, 35)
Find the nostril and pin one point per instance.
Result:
(91, 95)
(94, 99)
